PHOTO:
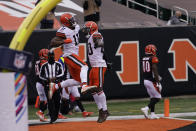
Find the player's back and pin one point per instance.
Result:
(147, 68)
(95, 54)
(72, 47)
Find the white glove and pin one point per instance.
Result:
(160, 78)
(159, 86)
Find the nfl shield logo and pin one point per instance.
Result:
(20, 60)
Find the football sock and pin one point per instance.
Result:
(152, 103)
(43, 106)
(83, 73)
(96, 98)
(102, 98)
(80, 105)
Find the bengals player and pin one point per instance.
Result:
(99, 66)
(151, 80)
(43, 58)
(67, 37)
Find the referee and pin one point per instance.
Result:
(52, 71)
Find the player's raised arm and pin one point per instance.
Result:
(56, 41)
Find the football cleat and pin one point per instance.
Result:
(86, 114)
(60, 116)
(145, 111)
(103, 116)
(153, 116)
(86, 88)
(100, 116)
(41, 116)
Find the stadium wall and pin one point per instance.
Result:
(125, 48)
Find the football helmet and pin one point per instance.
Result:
(150, 49)
(43, 54)
(68, 20)
(90, 27)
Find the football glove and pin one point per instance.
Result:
(159, 86)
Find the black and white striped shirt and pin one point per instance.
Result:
(51, 71)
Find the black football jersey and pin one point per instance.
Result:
(147, 62)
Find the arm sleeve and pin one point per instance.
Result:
(60, 70)
(62, 35)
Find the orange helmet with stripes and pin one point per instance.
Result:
(43, 54)
(91, 27)
(150, 49)
(68, 20)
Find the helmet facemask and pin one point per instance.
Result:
(72, 21)
(86, 31)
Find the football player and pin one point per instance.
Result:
(67, 37)
(151, 80)
(43, 58)
(99, 66)
(73, 90)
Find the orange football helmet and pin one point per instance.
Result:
(68, 20)
(43, 54)
(90, 27)
(150, 49)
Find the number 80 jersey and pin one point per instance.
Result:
(147, 67)
(95, 54)
(69, 48)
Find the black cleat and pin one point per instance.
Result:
(100, 116)
(52, 120)
(104, 115)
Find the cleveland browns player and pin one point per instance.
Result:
(151, 80)
(68, 91)
(67, 37)
(99, 66)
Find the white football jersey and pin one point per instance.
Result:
(95, 55)
(70, 48)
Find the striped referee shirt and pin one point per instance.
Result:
(51, 71)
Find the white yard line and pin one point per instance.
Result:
(172, 116)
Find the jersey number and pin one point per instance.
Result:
(146, 66)
(76, 37)
(90, 50)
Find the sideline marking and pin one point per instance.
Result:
(172, 115)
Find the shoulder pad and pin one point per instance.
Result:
(97, 36)
(155, 59)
